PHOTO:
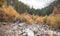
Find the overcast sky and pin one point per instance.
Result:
(37, 3)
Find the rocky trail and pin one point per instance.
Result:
(23, 29)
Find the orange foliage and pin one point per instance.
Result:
(10, 11)
(27, 16)
(55, 10)
(2, 2)
(30, 21)
(53, 21)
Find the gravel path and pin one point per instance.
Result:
(23, 29)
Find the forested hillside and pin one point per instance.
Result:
(23, 8)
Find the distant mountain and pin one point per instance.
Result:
(49, 9)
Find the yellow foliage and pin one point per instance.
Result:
(51, 20)
(9, 13)
(38, 20)
(34, 17)
(2, 2)
(27, 16)
(12, 11)
(22, 18)
(30, 21)
(54, 21)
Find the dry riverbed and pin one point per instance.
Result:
(23, 29)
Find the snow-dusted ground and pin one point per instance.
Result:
(23, 29)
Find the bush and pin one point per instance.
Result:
(58, 21)
(2, 2)
(54, 21)
(22, 18)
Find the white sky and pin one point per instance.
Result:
(37, 3)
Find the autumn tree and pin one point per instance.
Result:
(2, 2)
(55, 10)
